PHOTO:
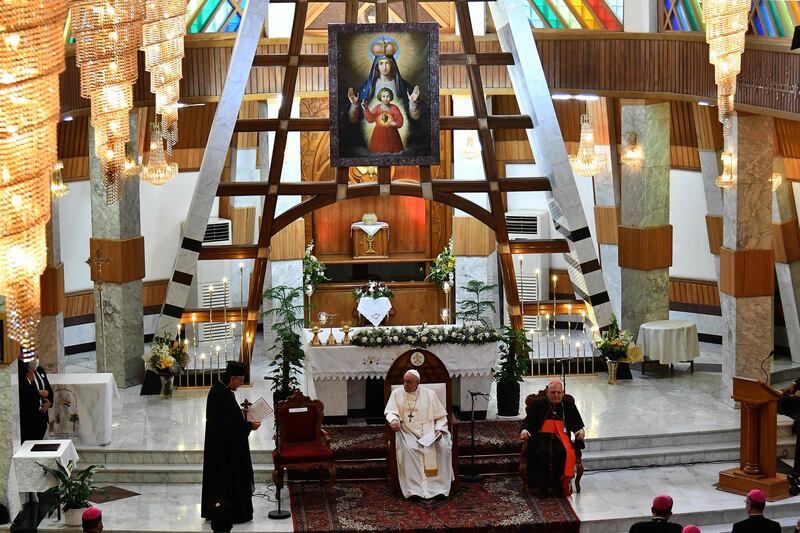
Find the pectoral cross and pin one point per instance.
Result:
(410, 416)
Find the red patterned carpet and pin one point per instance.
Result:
(497, 503)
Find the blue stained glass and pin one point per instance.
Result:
(673, 19)
(758, 26)
(233, 25)
(534, 19)
(765, 18)
(685, 26)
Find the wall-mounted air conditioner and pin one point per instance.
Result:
(530, 224)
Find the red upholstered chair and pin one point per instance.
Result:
(433, 373)
(523, 458)
(302, 443)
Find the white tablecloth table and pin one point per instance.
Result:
(335, 374)
(89, 396)
(669, 341)
(30, 477)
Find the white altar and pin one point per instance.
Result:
(82, 407)
(336, 374)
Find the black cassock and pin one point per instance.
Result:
(227, 468)
(546, 454)
(33, 423)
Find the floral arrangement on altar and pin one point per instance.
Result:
(424, 336)
(444, 267)
(168, 356)
(614, 343)
(373, 289)
(313, 271)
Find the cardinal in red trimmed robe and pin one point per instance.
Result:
(388, 120)
(547, 428)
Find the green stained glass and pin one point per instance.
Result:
(205, 13)
(550, 16)
(567, 15)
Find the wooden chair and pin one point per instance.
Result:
(302, 443)
(523, 458)
(432, 371)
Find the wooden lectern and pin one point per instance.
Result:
(759, 405)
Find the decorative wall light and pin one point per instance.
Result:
(31, 58)
(586, 162)
(58, 188)
(726, 179)
(162, 41)
(632, 152)
(107, 38)
(158, 171)
(777, 179)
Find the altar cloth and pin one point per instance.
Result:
(374, 309)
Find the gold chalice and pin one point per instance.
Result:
(315, 339)
(346, 337)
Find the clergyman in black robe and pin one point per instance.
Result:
(35, 399)
(227, 468)
(547, 428)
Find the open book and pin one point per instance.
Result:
(427, 439)
(259, 411)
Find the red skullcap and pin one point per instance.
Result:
(757, 496)
(691, 529)
(92, 513)
(662, 503)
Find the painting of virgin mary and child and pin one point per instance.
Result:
(384, 94)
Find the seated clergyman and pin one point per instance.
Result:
(415, 413)
(547, 428)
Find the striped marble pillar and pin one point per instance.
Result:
(786, 243)
(607, 197)
(547, 144)
(747, 263)
(51, 327)
(645, 235)
(117, 241)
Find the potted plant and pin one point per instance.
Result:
(168, 358)
(514, 354)
(613, 346)
(287, 349)
(473, 310)
(72, 490)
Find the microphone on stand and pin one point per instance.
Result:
(563, 372)
(474, 476)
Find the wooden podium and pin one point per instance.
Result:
(757, 456)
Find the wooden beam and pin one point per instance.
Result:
(540, 246)
(321, 60)
(494, 122)
(202, 316)
(229, 251)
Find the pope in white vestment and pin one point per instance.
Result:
(414, 413)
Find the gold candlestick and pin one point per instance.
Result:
(346, 337)
(331, 338)
(315, 339)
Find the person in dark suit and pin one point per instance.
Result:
(756, 522)
(35, 400)
(662, 511)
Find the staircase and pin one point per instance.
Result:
(360, 453)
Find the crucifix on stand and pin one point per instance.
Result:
(97, 260)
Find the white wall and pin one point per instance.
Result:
(641, 16)
(687, 211)
(162, 211)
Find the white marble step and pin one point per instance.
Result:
(105, 456)
(166, 473)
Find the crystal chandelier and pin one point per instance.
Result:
(31, 58)
(58, 188)
(777, 179)
(158, 171)
(632, 153)
(107, 36)
(586, 162)
(162, 41)
(726, 179)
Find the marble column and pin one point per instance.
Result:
(116, 235)
(289, 273)
(534, 99)
(51, 327)
(746, 257)
(480, 268)
(645, 236)
(607, 197)
(9, 436)
(785, 234)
